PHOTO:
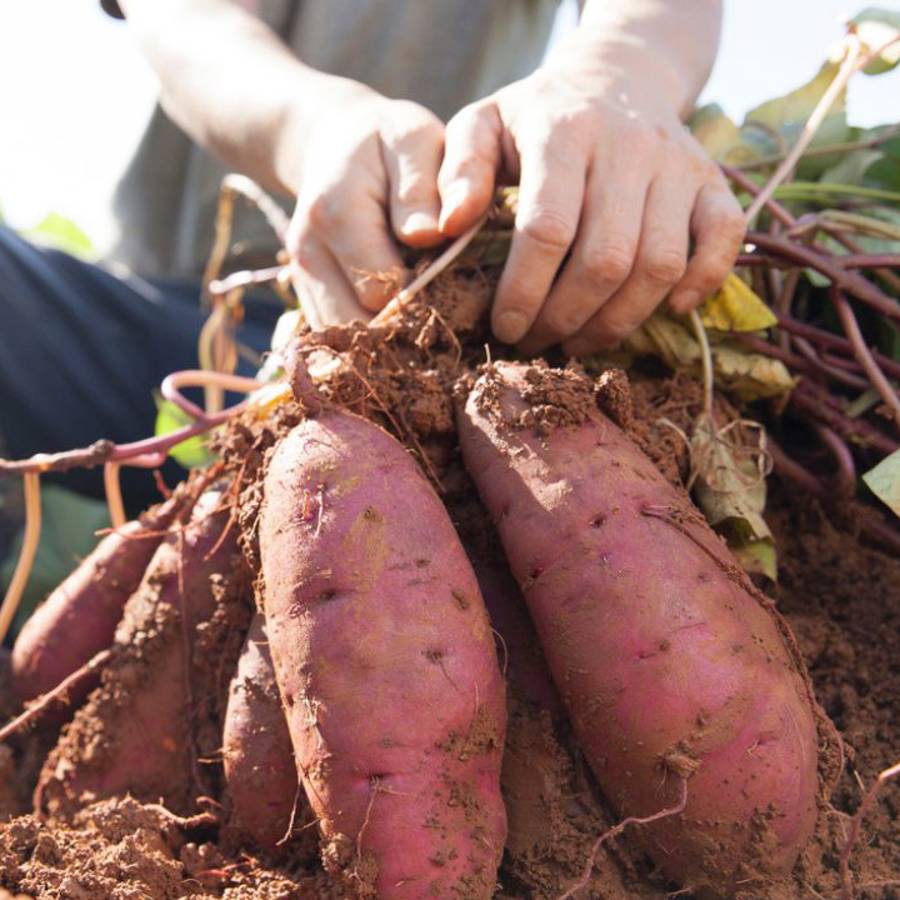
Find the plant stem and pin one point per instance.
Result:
(59, 693)
(818, 190)
(851, 282)
(856, 823)
(32, 486)
(837, 86)
(863, 355)
(824, 150)
(815, 403)
(113, 489)
(846, 468)
(706, 360)
(834, 341)
(750, 186)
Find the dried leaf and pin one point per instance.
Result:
(758, 558)
(730, 489)
(735, 307)
(884, 481)
(750, 376)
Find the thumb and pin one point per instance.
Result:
(468, 173)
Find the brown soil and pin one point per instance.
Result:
(841, 599)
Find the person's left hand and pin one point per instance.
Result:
(611, 189)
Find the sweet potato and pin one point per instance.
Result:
(153, 713)
(260, 774)
(385, 661)
(79, 618)
(675, 671)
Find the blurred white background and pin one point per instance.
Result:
(75, 93)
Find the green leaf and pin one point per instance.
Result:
(852, 167)
(61, 233)
(884, 481)
(787, 115)
(717, 133)
(192, 453)
(875, 28)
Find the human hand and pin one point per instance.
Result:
(611, 189)
(367, 176)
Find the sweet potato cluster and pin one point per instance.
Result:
(302, 632)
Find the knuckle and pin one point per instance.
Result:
(321, 212)
(549, 229)
(664, 265)
(728, 223)
(642, 140)
(609, 263)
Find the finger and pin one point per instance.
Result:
(325, 295)
(469, 170)
(551, 194)
(412, 157)
(353, 225)
(660, 263)
(602, 256)
(718, 227)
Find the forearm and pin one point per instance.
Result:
(229, 81)
(661, 47)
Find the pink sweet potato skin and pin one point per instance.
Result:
(663, 652)
(79, 618)
(260, 774)
(139, 728)
(385, 660)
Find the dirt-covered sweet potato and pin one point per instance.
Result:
(79, 618)
(674, 669)
(260, 774)
(385, 660)
(143, 730)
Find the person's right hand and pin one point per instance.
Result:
(367, 178)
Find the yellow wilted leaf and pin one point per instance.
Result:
(736, 307)
(750, 376)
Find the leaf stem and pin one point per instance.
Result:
(32, 486)
(114, 494)
(849, 65)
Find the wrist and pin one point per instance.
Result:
(621, 66)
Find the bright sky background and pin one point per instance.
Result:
(74, 93)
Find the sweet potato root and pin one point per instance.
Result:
(154, 710)
(260, 774)
(79, 618)
(671, 664)
(385, 661)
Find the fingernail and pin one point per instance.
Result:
(457, 194)
(418, 222)
(685, 301)
(511, 326)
